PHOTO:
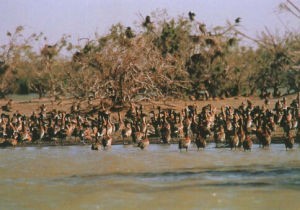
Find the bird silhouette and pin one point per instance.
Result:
(191, 15)
(238, 20)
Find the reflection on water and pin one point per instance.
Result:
(76, 177)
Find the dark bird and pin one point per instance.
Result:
(237, 20)
(289, 142)
(234, 140)
(266, 138)
(129, 33)
(106, 141)
(191, 15)
(147, 21)
(247, 144)
(96, 146)
(200, 142)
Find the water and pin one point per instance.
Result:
(160, 177)
(23, 97)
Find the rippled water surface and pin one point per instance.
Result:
(125, 177)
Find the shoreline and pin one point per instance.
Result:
(156, 141)
(26, 107)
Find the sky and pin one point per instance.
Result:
(82, 18)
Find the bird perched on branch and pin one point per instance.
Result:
(191, 15)
(147, 21)
(237, 20)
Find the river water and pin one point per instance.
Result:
(161, 177)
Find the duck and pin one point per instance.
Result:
(200, 142)
(229, 130)
(271, 123)
(110, 128)
(137, 136)
(126, 132)
(184, 143)
(289, 142)
(266, 138)
(24, 134)
(249, 123)
(106, 141)
(145, 142)
(220, 136)
(166, 132)
(298, 135)
(259, 135)
(8, 106)
(186, 122)
(242, 136)
(234, 140)
(247, 144)
(9, 142)
(204, 130)
(96, 146)
(178, 127)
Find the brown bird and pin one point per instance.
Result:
(289, 142)
(298, 135)
(247, 144)
(259, 135)
(242, 136)
(126, 132)
(96, 146)
(166, 133)
(220, 136)
(200, 142)
(106, 141)
(145, 142)
(184, 143)
(234, 140)
(266, 138)
(137, 136)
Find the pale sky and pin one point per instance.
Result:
(82, 18)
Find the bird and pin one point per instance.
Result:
(106, 141)
(298, 135)
(126, 132)
(96, 146)
(247, 144)
(289, 142)
(147, 21)
(145, 142)
(234, 140)
(191, 15)
(237, 20)
(266, 138)
(220, 136)
(184, 143)
(242, 136)
(200, 142)
(166, 133)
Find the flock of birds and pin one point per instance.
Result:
(230, 127)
